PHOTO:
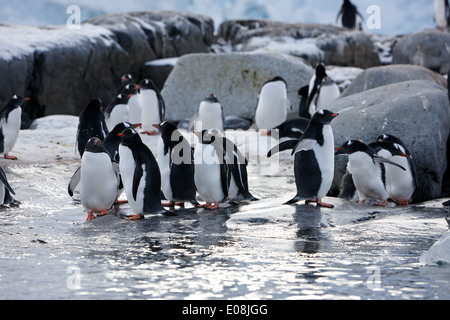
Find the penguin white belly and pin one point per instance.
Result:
(399, 183)
(164, 168)
(327, 95)
(119, 114)
(325, 159)
(207, 175)
(2, 193)
(209, 117)
(127, 167)
(366, 177)
(439, 13)
(272, 106)
(11, 129)
(98, 186)
(150, 110)
(134, 109)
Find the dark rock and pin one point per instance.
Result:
(428, 48)
(158, 71)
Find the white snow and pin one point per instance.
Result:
(163, 62)
(439, 253)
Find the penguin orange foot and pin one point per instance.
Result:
(135, 217)
(90, 216)
(7, 156)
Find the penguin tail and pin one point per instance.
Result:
(295, 200)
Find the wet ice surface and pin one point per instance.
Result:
(258, 250)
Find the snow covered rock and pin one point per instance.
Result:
(234, 78)
(313, 42)
(383, 75)
(428, 48)
(416, 111)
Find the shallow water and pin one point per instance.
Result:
(258, 250)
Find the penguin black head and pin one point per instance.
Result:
(147, 84)
(94, 105)
(95, 145)
(166, 129)
(353, 146)
(275, 79)
(207, 136)
(127, 78)
(391, 138)
(320, 71)
(122, 126)
(324, 116)
(392, 147)
(130, 88)
(130, 137)
(17, 100)
(211, 98)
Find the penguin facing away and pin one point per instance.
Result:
(140, 175)
(176, 163)
(10, 123)
(349, 17)
(98, 179)
(209, 115)
(366, 170)
(273, 104)
(314, 159)
(152, 105)
(210, 170)
(314, 84)
(327, 93)
(117, 111)
(91, 124)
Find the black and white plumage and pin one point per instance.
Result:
(442, 14)
(209, 115)
(117, 110)
(309, 109)
(98, 178)
(176, 164)
(273, 104)
(292, 128)
(153, 107)
(349, 16)
(112, 140)
(314, 159)
(10, 123)
(91, 124)
(303, 105)
(140, 175)
(366, 170)
(5, 190)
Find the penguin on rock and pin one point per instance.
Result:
(273, 104)
(349, 16)
(314, 159)
(153, 107)
(98, 179)
(366, 170)
(176, 163)
(140, 175)
(209, 115)
(91, 123)
(10, 123)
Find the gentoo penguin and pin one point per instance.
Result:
(125, 80)
(367, 172)
(134, 102)
(91, 123)
(117, 111)
(292, 128)
(400, 184)
(314, 159)
(112, 140)
(210, 169)
(98, 179)
(314, 84)
(303, 106)
(152, 106)
(442, 14)
(176, 163)
(349, 17)
(10, 122)
(273, 104)
(208, 116)
(140, 175)
(328, 92)
(5, 189)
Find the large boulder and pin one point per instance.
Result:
(428, 48)
(313, 42)
(234, 78)
(383, 75)
(417, 112)
(61, 69)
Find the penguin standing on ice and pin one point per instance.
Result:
(442, 14)
(273, 104)
(210, 169)
(367, 172)
(117, 111)
(10, 123)
(5, 189)
(400, 184)
(314, 159)
(153, 108)
(349, 17)
(91, 124)
(208, 116)
(176, 163)
(140, 175)
(98, 179)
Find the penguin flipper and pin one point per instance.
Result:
(285, 145)
(4, 180)
(74, 181)
(304, 145)
(138, 173)
(378, 159)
